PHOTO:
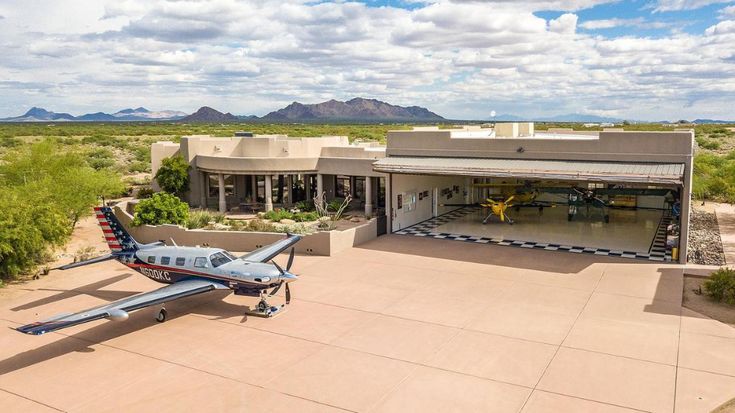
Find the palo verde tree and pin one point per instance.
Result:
(173, 175)
(44, 190)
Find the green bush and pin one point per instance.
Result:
(335, 204)
(304, 206)
(202, 218)
(714, 177)
(173, 175)
(161, 208)
(721, 285)
(278, 214)
(710, 144)
(305, 216)
(145, 192)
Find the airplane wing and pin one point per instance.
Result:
(267, 253)
(119, 309)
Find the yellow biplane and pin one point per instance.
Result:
(497, 208)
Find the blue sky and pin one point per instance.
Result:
(635, 59)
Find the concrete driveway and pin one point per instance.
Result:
(399, 324)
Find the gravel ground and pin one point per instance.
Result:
(705, 245)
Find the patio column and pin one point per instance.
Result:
(268, 193)
(222, 201)
(203, 190)
(289, 189)
(307, 187)
(253, 188)
(319, 184)
(368, 196)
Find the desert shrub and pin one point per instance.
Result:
(202, 218)
(145, 192)
(721, 285)
(258, 225)
(714, 176)
(278, 214)
(161, 208)
(335, 204)
(173, 175)
(304, 206)
(305, 216)
(710, 144)
(137, 166)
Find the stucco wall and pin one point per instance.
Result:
(319, 243)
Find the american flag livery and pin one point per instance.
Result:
(117, 238)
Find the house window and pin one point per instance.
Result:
(200, 262)
(214, 185)
(180, 261)
(151, 259)
(342, 186)
(165, 260)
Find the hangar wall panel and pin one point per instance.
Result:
(409, 186)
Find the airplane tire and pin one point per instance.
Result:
(161, 317)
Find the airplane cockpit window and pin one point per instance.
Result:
(219, 258)
(200, 262)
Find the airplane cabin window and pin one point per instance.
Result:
(151, 259)
(218, 259)
(180, 260)
(200, 262)
(165, 260)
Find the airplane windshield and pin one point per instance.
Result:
(219, 258)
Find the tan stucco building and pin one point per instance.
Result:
(427, 172)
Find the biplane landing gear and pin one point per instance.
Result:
(161, 316)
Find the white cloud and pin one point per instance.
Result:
(253, 56)
(565, 24)
(727, 12)
(610, 23)
(674, 5)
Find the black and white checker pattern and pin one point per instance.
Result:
(657, 252)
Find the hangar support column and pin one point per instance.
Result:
(222, 201)
(268, 193)
(388, 204)
(307, 187)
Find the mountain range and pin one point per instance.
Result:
(357, 109)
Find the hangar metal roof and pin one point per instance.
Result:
(639, 172)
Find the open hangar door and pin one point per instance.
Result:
(605, 208)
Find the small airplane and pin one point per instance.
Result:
(187, 271)
(497, 208)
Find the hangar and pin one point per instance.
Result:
(618, 193)
(613, 193)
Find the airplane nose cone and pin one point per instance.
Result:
(288, 277)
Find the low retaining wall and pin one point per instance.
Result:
(318, 243)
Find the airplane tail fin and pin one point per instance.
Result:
(118, 239)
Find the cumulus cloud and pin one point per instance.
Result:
(458, 58)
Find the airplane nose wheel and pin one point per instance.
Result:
(161, 317)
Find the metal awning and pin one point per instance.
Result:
(639, 172)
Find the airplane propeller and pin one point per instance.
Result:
(281, 270)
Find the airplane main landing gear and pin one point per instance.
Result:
(161, 316)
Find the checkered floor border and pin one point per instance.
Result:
(657, 252)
